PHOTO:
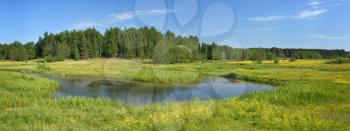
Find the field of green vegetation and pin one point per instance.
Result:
(309, 95)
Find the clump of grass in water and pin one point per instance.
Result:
(159, 75)
(231, 76)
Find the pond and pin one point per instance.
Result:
(145, 93)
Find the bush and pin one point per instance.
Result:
(160, 52)
(292, 60)
(276, 60)
(307, 55)
(231, 76)
(17, 52)
(258, 56)
(179, 54)
(42, 66)
(339, 61)
(40, 60)
(53, 59)
(259, 61)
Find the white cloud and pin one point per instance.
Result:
(329, 37)
(132, 14)
(314, 11)
(159, 11)
(87, 24)
(124, 16)
(315, 3)
(307, 14)
(269, 18)
(118, 17)
(310, 14)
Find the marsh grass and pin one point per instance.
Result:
(43, 67)
(309, 96)
(159, 75)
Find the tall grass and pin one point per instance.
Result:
(159, 75)
(18, 90)
(309, 96)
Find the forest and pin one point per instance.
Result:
(146, 43)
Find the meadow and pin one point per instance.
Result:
(309, 95)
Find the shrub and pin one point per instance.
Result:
(259, 61)
(159, 52)
(258, 56)
(307, 55)
(40, 60)
(292, 60)
(339, 61)
(276, 60)
(231, 75)
(42, 66)
(53, 59)
(179, 54)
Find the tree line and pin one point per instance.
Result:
(145, 43)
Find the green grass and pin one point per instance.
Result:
(310, 95)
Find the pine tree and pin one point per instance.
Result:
(76, 54)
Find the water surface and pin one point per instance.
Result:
(144, 93)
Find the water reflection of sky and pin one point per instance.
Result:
(144, 93)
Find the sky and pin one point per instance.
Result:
(321, 24)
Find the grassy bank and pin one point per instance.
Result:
(134, 70)
(310, 95)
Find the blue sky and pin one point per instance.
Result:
(239, 23)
